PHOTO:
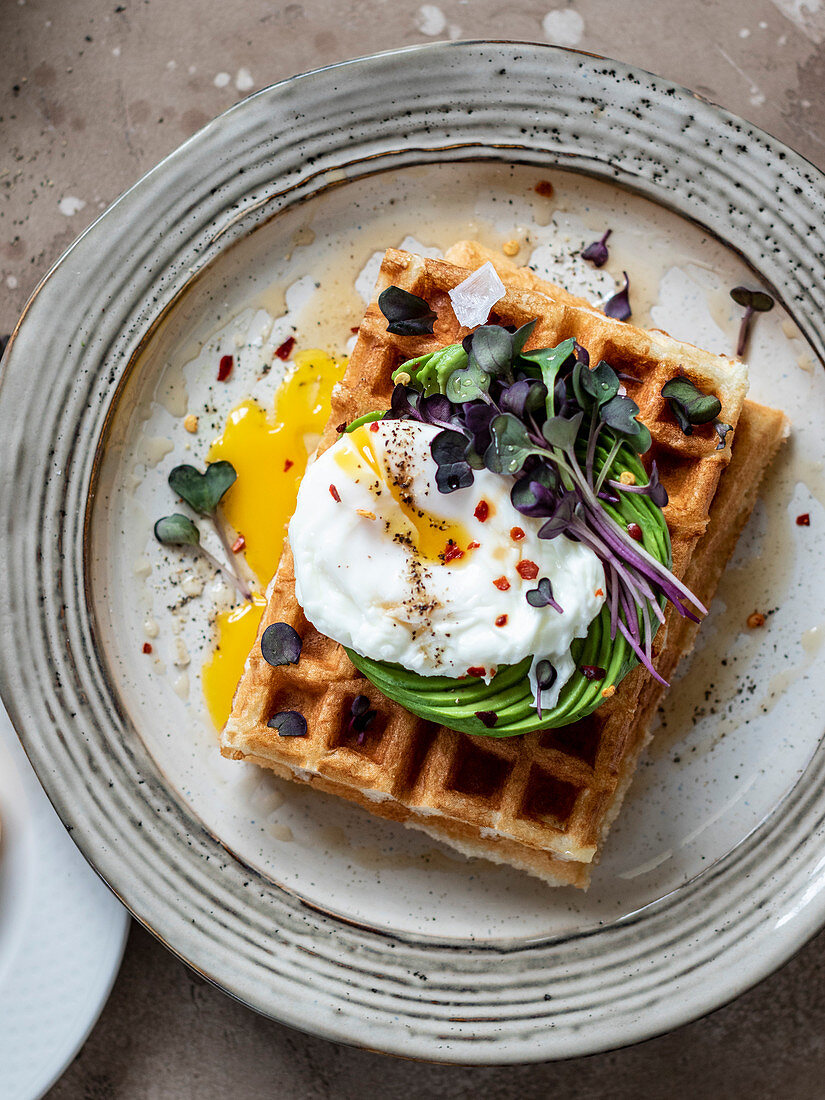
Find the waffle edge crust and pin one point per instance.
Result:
(543, 802)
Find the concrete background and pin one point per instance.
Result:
(94, 93)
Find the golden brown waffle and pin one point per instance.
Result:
(541, 802)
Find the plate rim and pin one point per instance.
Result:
(494, 1051)
(42, 819)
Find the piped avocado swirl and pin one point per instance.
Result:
(569, 438)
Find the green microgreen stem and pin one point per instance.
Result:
(227, 574)
(614, 450)
(596, 425)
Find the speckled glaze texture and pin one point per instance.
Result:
(511, 1001)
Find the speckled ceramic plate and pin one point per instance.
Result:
(356, 930)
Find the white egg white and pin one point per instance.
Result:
(362, 578)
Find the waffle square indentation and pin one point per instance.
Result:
(548, 799)
(479, 774)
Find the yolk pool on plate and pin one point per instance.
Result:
(429, 534)
(236, 630)
(269, 452)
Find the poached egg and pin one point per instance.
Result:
(392, 568)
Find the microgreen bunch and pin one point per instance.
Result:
(558, 428)
(203, 493)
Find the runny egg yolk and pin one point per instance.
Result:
(235, 630)
(269, 453)
(434, 540)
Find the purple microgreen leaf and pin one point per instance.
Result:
(436, 409)
(754, 301)
(525, 396)
(521, 336)
(601, 383)
(757, 300)
(177, 530)
(478, 416)
(288, 723)
(618, 307)
(535, 493)
(404, 403)
(492, 349)
(545, 675)
(597, 251)
(581, 353)
(453, 472)
(202, 491)
(510, 445)
(562, 433)
(561, 404)
(542, 596)
(545, 678)
(619, 413)
(467, 383)
(561, 519)
(553, 362)
(408, 315)
(722, 431)
(689, 405)
(281, 645)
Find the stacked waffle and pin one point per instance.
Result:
(541, 802)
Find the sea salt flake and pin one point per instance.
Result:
(69, 205)
(244, 81)
(475, 297)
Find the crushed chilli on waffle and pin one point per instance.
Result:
(542, 802)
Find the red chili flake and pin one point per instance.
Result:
(502, 584)
(452, 551)
(473, 545)
(333, 492)
(804, 520)
(592, 672)
(355, 330)
(476, 671)
(527, 570)
(516, 534)
(239, 544)
(635, 531)
(374, 426)
(544, 188)
(147, 647)
(285, 350)
(482, 511)
(225, 367)
(501, 620)
(599, 592)
(341, 428)
(288, 464)
(488, 717)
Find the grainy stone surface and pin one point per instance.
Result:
(93, 94)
